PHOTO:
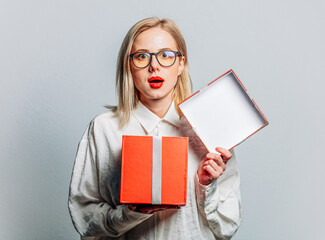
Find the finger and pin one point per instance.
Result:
(212, 155)
(221, 163)
(148, 207)
(163, 207)
(213, 173)
(226, 155)
(132, 207)
(217, 158)
(217, 165)
(173, 207)
(152, 209)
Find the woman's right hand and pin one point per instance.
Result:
(150, 209)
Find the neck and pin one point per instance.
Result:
(158, 107)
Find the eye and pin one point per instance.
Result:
(141, 56)
(167, 54)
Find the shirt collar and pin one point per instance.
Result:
(149, 120)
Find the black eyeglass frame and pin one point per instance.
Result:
(156, 54)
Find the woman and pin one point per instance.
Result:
(152, 78)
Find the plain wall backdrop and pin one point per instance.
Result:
(57, 71)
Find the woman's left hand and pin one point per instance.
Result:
(213, 165)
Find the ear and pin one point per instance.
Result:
(181, 65)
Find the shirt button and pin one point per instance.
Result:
(156, 131)
(209, 209)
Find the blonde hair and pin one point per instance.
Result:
(128, 95)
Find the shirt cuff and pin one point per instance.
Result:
(205, 193)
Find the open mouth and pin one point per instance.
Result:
(156, 82)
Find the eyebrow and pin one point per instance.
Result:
(146, 50)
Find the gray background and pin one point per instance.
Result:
(57, 68)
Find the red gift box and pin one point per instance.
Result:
(154, 170)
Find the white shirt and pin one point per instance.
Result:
(211, 212)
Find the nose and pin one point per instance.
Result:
(154, 64)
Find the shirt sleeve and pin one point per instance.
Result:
(90, 213)
(220, 202)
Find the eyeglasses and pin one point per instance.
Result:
(165, 58)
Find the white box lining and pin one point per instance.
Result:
(223, 115)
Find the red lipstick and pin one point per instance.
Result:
(156, 82)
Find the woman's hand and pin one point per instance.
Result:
(150, 209)
(213, 165)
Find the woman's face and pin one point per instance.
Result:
(154, 40)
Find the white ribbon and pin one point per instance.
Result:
(156, 169)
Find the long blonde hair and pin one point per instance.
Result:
(127, 93)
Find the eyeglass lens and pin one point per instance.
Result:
(165, 58)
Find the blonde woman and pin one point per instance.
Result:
(152, 78)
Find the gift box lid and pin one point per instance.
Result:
(223, 114)
(154, 170)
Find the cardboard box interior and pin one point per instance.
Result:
(223, 114)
